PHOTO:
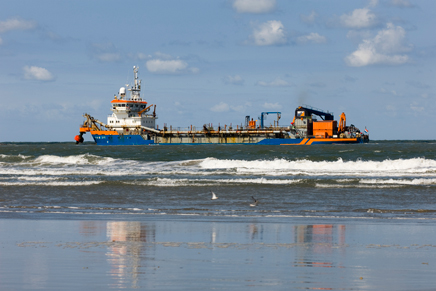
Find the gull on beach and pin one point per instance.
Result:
(255, 202)
(213, 195)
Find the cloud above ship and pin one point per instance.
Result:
(224, 107)
(37, 73)
(269, 33)
(387, 47)
(359, 18)
(166, 64)
(273, 33)
(159, 66)
(272, 106)
(221, 107)
(14, 24)
(254, 6)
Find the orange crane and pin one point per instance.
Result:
(144, 110)
(342, 120)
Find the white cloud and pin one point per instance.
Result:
(269, 33)
(254, 6)
(276, 83)
(1, 41)
(224, 107)
(159, 66)
(309, 19)
(272, 106)
(37, 73)
(312, 38)
(16, 24)
(359, 18)
(235, 80)
(387, 47)
(165, 64)
(221, 107)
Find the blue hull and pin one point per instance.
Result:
(121, 140)
(138, 140)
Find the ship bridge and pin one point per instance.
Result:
(131, 111)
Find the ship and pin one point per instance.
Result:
(133, 122)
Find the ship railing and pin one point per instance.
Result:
(136, 115)
(224, 128)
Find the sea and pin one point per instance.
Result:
(327, 217)
(392, 180)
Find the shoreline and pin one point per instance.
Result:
(25, 215)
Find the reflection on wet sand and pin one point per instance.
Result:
(165, 253)
(129, 260)
(126, 259)
(318, 239)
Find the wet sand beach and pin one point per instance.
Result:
(202, 253)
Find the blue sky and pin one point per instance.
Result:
(218, 61)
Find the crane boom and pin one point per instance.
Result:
(262, 117)
(305, 111)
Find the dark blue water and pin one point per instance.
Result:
(389, 179)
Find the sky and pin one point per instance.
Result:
(217, 61)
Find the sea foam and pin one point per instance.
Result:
(283, 166)
(74, 160)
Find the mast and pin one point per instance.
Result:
(136, 88)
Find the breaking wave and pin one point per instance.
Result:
(397, 167)
(420, 181)
(45, 184)
(85, 159)
(403, 172)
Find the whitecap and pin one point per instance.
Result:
(292, 167)
(419, 181)
(46, 184)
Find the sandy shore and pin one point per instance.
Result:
(173, 253)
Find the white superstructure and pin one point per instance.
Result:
(131, 112)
